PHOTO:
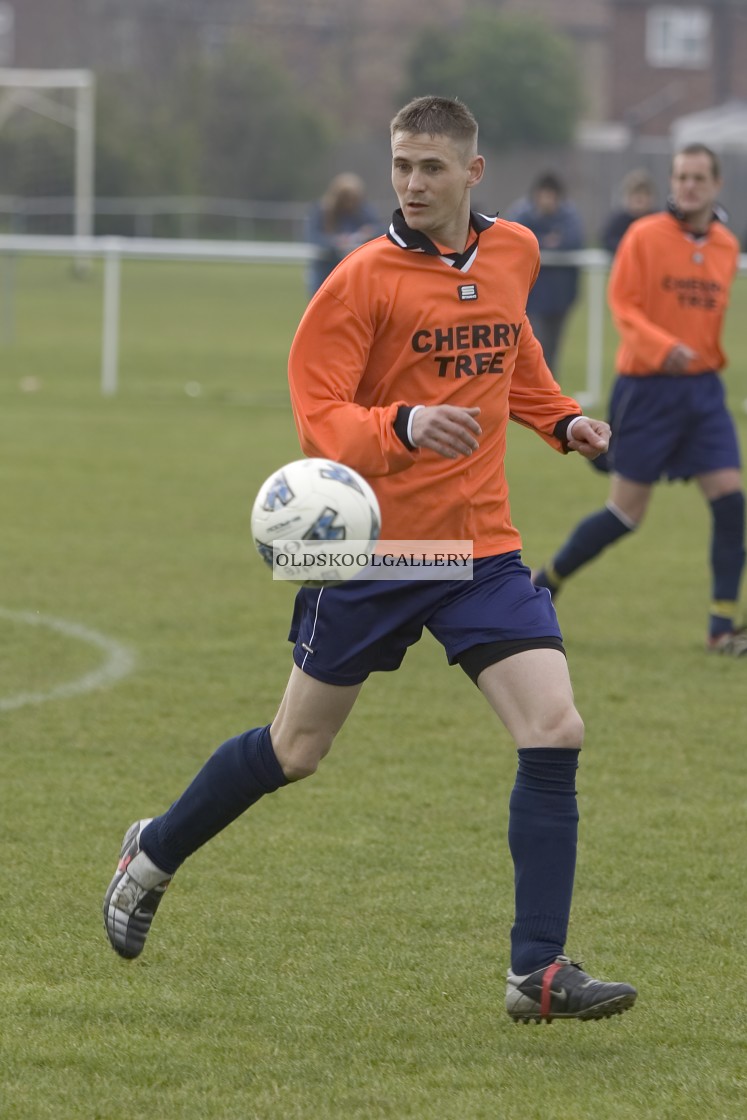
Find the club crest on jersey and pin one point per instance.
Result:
(467, 291)
(339, 473)
(279, 494)
(324, 528)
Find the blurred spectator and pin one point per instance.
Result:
(638, 195)
(337, 223)
(556, 223)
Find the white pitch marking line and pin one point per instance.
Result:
(119, 662)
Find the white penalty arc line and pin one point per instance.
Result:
(119, 660)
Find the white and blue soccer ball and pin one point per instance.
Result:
(315, 521)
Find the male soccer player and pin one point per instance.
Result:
(407, 365)
(668, 291)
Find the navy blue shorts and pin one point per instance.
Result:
(342, 633)
(670, 426)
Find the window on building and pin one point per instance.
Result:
(678, 37)
(7, 22)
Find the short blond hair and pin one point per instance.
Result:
(437, 116)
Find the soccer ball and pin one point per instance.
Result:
(315, 521)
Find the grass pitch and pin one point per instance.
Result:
(339, 952)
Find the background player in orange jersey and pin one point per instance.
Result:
(407, 365)
(668, 291)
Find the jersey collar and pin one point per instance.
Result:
(400, 234)
(719, 214)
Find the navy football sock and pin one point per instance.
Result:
(727, 560)
(590, 537)
(241, 771)
(542, 832)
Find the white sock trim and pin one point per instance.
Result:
(145, 872)
(621, 517)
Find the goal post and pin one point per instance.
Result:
(35, 90)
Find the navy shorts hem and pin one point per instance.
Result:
(344, 633)
(671, 427)
(307, 666)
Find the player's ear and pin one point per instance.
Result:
(475, 170)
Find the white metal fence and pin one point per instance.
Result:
(112, 250)
(160, 216)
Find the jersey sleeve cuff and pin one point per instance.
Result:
(560, 431)
(403, 424)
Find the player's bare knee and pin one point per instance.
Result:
(297, 771)
(300, 757)
(558, 728)
(571, 732)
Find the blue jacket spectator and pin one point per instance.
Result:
(556, 223)
(341, 220)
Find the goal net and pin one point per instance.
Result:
(47, 151)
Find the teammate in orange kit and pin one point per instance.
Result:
(407, 366)
(668, 291)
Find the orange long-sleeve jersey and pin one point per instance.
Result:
(667, 287)
(398, 323)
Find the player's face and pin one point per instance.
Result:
(694, 186)
(432, 177)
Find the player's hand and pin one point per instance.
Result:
(447, 430)
(679, 358)
(589, 437)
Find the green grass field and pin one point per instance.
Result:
(339, 952)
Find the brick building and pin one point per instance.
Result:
(672, 59)
(642, 62)
(327, 44)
